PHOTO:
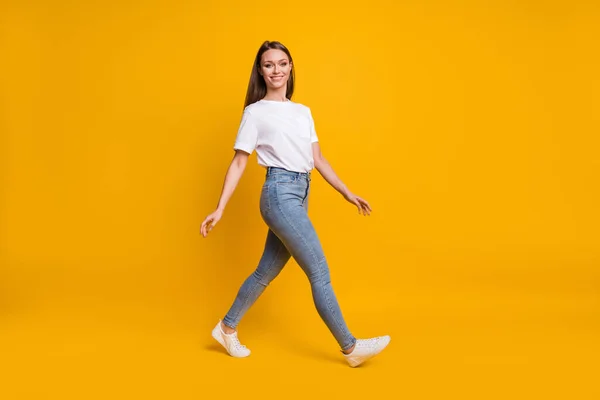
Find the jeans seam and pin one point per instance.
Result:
(254, 287)
(268, 198)
(327, 301)
(239, 310)
(306, 192)
(270, 267)
(297, 232)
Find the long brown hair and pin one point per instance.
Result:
(257, 88)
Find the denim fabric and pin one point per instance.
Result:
(284, 207)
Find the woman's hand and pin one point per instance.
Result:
(362, 205)
(210, 222)
(326, 171)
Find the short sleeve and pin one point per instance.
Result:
(313, 133)
(247, 135)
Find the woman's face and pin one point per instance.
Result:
(275, 67)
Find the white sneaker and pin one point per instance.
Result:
(365, 349)
(230, 342)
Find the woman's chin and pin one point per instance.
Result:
(276, 85)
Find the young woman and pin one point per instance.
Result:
(283, 134)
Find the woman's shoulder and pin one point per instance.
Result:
(302, 108)
(301, 105)
(251, 106)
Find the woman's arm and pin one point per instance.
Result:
(326, 170)
(232, 177)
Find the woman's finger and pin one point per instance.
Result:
(365, 203)
(368, 208)
(204, 227)
(368, 205)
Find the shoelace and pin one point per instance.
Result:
(236, 342)
(367, 342)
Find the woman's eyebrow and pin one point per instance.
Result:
(283, 59)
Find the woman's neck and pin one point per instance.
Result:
(276, 96)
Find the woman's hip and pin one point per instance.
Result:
(284, 195)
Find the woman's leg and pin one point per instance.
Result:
(288, 219)
(273, 259)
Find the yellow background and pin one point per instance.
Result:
(471, 127)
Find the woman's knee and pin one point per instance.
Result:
(263, 278)
(319, 274)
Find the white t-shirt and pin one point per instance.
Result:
(282, 132)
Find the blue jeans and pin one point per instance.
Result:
(284, 207)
